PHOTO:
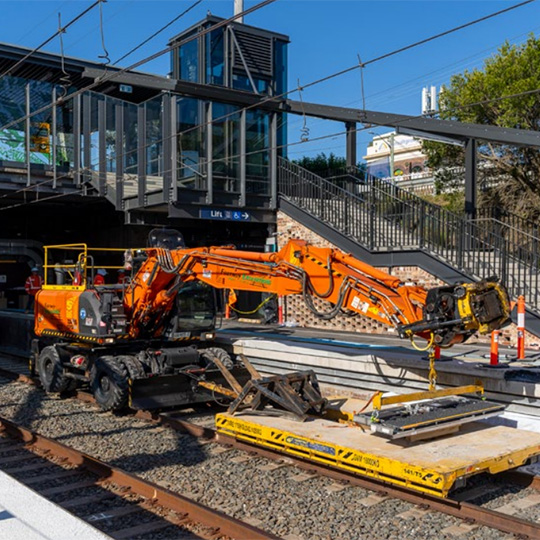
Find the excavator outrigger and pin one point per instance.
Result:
(149, 343)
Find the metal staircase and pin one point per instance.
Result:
(388, 226)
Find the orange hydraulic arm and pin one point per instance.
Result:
(447, 314)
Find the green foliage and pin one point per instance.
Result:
(509, 176)
(323, 165)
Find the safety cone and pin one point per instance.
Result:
(494, 352)
(521, 328)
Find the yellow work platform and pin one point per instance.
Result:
(430, 466)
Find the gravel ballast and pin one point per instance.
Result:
(281, 500)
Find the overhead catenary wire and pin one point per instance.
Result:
(60, 31)
(105, 55)
(113, 74)
(354, 67)
(408, 87)
(155, 34)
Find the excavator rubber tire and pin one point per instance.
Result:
(220, 353)
(51, 371)
(109, 383)
(134, 367)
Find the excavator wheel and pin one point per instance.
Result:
(109, 383)
(134, 367)
(51, 372)
(220, 353)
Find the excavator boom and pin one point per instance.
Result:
(446, 315)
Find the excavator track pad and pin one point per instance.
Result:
(433, 416)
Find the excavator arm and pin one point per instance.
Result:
(443, 315)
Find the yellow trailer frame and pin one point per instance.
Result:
(437, 477)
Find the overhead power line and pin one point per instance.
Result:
(60, 31)
(113, 74)
(420, 42)
(359, 66)
(150, 38)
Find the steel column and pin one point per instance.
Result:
(27, 129)
(102, 147)
(54, 130)
(242, 201)
(77, 140)
(166, 136)
(173, 194)
(470, 177)
(273, 161)
(351, 158)
(141, 155)
(209, 155)
(87, 139)
(119, 151)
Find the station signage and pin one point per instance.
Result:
(224, 215)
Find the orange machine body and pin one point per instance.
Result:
(57, 311)
(142, 309)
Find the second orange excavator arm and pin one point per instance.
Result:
(345, 283)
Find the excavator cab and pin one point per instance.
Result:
(166, 239)
(195, 311)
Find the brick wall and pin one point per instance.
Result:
(297, 311)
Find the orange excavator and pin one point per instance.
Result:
(149, 342)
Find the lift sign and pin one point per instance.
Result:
(224, 215)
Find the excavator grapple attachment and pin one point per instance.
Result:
(295, 394)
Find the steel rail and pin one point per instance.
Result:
(461, 509)
(195, 512)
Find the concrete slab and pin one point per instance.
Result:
(25, 515)
(359, 365)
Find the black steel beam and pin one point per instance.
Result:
(470, 177)
(243, 161)
(351, 145)
(77, 140)
(167, 150)
(273, 160)
(445, 128)
(87, 139)
(209, 155)
(173, 194)
(141, 154)
(458, 131)
(119, 151)
(102, 156)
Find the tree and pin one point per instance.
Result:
(509, 176)
(323, 165)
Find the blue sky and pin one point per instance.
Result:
(326, 36)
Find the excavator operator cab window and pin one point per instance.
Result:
(166, 239)
(196, 307)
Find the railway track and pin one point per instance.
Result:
(121, 505)
(459, 506)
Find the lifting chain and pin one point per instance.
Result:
(432, 371)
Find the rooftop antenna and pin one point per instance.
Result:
(239, 8)
(429, 100)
